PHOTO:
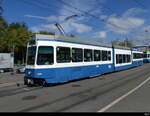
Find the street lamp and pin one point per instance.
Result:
(146, 38)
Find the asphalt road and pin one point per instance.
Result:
(124, 91)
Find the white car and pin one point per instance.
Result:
(21, 69)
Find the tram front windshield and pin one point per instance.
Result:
(31, 55)
(45, 55)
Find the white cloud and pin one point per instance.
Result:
(143, 36)
(49, 18)
(96, 11)
(147, 28)
(45, 27)
(81, 28)
(73, 25)
(101, 34)
(50, 27)
(126, 23)
(133, 12)
(103, 17)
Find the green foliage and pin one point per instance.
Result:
(14, 35)
(46, 33)
(125, 43)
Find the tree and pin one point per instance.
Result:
(18, 36)
(12, 36)
(125, 43)
(3, 33)
(114, 42)
(46, 33)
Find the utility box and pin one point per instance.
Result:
(6, 62)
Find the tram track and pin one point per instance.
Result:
(20, 90)
(92, 93)
(15, 91)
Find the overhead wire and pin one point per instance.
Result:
(58, 7)
(38, 5)
(81, 12)
(87, 13)
(110, 9)
(140, 4)
(54, 6)
(91, 15)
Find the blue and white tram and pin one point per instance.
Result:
(147, 57)
(137, 57)
(59, 59)
(52, 59)
(122, 58)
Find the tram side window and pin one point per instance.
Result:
(63, 55)
(77, 55)
(31, 55)
(134, 55)
(109, 56)
(124, 58)
(97, 55)
(144, 56)
(137, 56)
(141, 55)
(45, 55)
(104, 55)
(117, 58)
(88, 55)
(120, 59)
(129, 58)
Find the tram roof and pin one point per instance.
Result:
(76, 40)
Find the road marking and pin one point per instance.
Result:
(10, 84)
(26, 89)
(122, 97)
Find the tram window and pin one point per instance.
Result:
(104, 55)
(120, 59)
(117, 58)
(124, 58)
(144, 56)
(140, 55)
(63, 55)
(88, 56)
(31, 55)
(77, 55)
(129, 58)
(97, 55)
(137, 56)
(45, 55)
(109, 55)
(134, 55)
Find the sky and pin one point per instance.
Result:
(97, 20)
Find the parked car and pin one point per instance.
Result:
(20, 69)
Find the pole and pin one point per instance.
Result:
(146, 38)
(13, 55)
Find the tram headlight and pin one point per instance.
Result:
(29, 73)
